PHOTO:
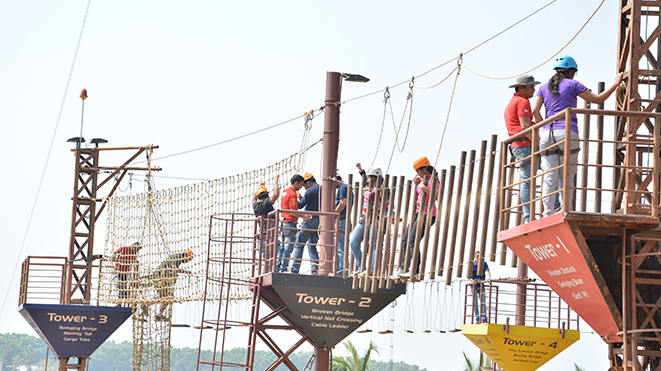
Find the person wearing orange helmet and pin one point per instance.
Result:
(309, 233)
(165, 277)
(262, 205)
(423, 169)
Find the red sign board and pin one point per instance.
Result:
(549, 248)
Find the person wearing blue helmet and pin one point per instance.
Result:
(559, 93)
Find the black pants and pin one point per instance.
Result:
(408, 239)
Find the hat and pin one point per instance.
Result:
(307, 176)
(261, 190)
(525, 80)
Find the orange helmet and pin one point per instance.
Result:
(189, 254)
(307, 176)
(420, 162)
(260, 190)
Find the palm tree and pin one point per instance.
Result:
(475, 365)
(353, 362)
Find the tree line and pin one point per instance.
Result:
(26, 350)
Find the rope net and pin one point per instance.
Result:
(157, 242)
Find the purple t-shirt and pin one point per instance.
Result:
(568, 92)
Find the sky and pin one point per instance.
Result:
(186, 75)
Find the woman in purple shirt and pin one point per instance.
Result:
(559, 93)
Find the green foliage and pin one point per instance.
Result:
(25, 350)
(353, 362)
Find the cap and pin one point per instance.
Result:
(307, 176)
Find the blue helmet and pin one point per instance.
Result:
(565, 62)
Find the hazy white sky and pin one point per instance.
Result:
(184, 75)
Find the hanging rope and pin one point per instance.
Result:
(386, 98)
(447, 118)
(409, 97)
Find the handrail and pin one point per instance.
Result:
(646, 201)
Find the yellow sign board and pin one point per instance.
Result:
(523, 348)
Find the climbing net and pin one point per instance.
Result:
(168, 223)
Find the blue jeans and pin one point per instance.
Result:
(310, 238)
(524, 195)
(356, 240)
(340, 246)
(479, 307)
(288, 235)
(123, 284)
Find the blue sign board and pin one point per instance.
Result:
(74, 330)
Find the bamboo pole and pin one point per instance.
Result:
(437, 226)
(440, 265)
(455, 222)
(476, 212)
(464, 224)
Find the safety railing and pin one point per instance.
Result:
(43, 281)
(284, 247)
(634, 178)
(525, 303)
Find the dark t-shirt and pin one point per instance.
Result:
(475, 276)
(263, 207)
(341, 193)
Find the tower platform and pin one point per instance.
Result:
(519, 348)
(577, 255)
(326, 308)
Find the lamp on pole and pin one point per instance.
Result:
(329, 171)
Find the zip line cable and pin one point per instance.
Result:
(368, 94)
(50, 148)
(546, 61)
(230, 140)
(454, 59)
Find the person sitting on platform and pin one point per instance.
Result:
(165, 277)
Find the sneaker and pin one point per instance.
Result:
(405, 274)
(397, 275)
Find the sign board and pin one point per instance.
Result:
(549, 248)
(74, 330)
(523, 348)
(327, 308)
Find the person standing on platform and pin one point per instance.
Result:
(309, 233)
(369, 194)
(340, 207)
(126, 264)
(262, 205)
(518, 117)
(559, 93)
(479, 305)
(289, 222)
(423, 169)
(165, 277)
